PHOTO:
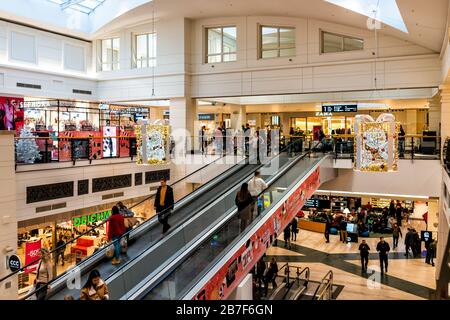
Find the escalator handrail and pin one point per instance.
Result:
(326, 280)
(103, 222)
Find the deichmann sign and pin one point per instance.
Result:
(90, 219)
(14, 263)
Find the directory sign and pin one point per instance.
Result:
(340, 108)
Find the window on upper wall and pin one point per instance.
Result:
(339, 43)
(277, 42)
(145, 50)
(110, 54)
(221, 44)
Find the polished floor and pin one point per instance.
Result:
(407, 278)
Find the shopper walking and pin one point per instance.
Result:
(44, 274)
(392, 210)
(364, 252)
(270, 276)
(327, 229)
(95, 288)
(431, 252)
(398, 214)
(409, 242)
(260, 269)
(417, 244)
(116, 229)
(294, 229)
(128, 216)
(396, 234)
(287, 236)
(164, 202)
(60, 249)
(343, 230)
(383, 249)
(256, 186)
(244, 202)
(401, 142)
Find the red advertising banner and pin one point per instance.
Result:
(32, 254)
(11, 114)
(239, 265)
(316, 132)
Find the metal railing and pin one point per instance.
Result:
(325, 290)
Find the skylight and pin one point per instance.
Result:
(385, 11)
(85, 6)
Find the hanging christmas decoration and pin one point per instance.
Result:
(376, 145)
(152, 144)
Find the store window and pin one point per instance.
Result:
(332, 42)
(145, 50)
(277, 42)
(221, 44)
(298, 124)
(110, 54)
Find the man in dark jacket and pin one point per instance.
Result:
(398, 215)
(364, 252)
(383, 249)
(260, 269)
(409, 242)
(343, 230)
(417, 244)
(164, 203)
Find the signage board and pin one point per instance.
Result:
(14, 263)
(91, 219)
(340, 108)
(206, 116)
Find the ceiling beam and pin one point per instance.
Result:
(68, 3)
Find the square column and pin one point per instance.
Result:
(8, 215)
(238, 116)
(183, 113)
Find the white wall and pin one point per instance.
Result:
(413, 178)
(401, 64)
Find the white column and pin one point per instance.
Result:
(238, 116)
(183, 113)
(434, 114)
(8, 218)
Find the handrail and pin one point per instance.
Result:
(328, 281)
(103, 222)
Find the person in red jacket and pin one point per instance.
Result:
(115, 231)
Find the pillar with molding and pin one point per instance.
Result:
(434, 114)
(8, 216)
(183, 113)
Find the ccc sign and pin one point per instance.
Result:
(14, 263)
(34, 253)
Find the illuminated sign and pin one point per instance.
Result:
(340, 108)
(323, 114)
(92, 218)
(209, 116)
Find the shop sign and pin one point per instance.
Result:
(92, 218)
(340, 108)
(32, 250)
(206, 116)
(14, 263)
(323, 114)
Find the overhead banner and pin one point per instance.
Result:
(376, 146)
(220, 286)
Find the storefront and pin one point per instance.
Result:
(69, 130)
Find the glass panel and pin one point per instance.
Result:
(351, 44)
(229, 40)
(106, 54)
(116, 53)
(229, 57)
(152, 45)
(214, 41)
(215, 59)
(287, 38)
(270, 54)
(269, 38)
(141, 50)
(331, 43)
(287, 52)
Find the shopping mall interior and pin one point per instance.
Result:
(225, 150)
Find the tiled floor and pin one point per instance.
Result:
(407, 279)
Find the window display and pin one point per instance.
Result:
(11, 114)
(152, 144)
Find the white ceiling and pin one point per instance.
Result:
(425, 20)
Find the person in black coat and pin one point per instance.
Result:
(409, 242)
(364, 252)
(383, 249)
(398, 215)
(287, 236)
(260, 269)
(270, 276)
(244, 203)
(294, 229)
(164, 202)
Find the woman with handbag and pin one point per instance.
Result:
(116, 229)
(244, 202)
(44, 275)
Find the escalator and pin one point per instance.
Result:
(199, 262)
(149, 250)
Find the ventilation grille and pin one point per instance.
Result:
(28, 85)
(112, 195)
(51, 207)
(78, 91)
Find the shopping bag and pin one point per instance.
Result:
(124, 244)
(110, 251)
